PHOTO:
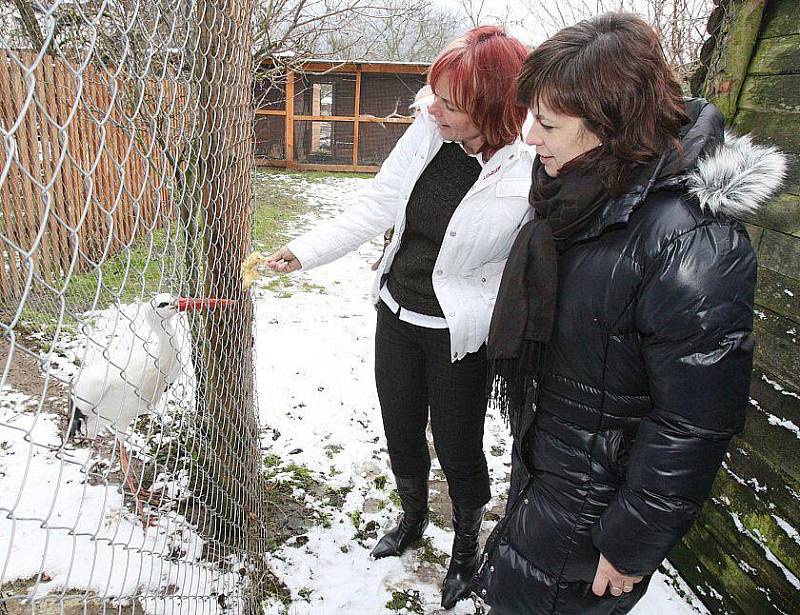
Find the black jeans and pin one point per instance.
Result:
(413, 373)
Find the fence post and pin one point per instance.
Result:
(356, 114)
(226, 157)
(290, 119)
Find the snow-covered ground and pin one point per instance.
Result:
(317, 398)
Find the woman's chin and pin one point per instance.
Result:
(549, 164)
(446, 134)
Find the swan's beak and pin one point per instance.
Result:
(188, 304)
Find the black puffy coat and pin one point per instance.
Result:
(643, 384)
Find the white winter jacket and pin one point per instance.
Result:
(477, 241)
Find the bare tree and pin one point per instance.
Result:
(284, 29)
(481, 12)
(680, 24)
(416, 36)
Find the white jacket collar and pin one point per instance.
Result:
(507, 153)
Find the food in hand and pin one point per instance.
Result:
(250, 269)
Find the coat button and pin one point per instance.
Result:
(452, 233)
(483, 592)
(483, 280)
(491, 568)
(438, 272)
(452, 314)
(526, 500)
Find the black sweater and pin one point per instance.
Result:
(437, 193)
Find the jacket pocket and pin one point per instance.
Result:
(490, 275)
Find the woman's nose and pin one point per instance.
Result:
(434, 108)
(531, 138)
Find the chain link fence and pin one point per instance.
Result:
(129, 449)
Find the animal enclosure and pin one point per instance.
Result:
(335, 116)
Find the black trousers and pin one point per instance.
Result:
(413, 374)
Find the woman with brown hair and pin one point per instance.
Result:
(621, 336)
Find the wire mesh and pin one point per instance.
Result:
(317, 142)
(129, 446)
(270, 137)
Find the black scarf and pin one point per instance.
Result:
(524, 312)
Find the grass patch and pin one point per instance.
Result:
(355, 517)
(271, 460)
(278, 202)
(313, 176)
(331, 450)
(439, 520)
(428, 553)
(369, 531)
(407, 601)
(14, 600)
(134, 272)
(275, 205)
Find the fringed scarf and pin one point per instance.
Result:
(524, 313)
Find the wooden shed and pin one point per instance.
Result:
(743, 556)
(335, 116)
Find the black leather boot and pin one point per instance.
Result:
(464, 561)
(414, 499)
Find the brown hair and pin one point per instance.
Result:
(611, 72)
(483, 65)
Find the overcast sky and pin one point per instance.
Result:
(532, 21)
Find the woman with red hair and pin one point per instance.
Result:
(455, 188)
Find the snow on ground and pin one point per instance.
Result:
(64, 525)
(317, 399)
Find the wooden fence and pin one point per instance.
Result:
(743, 556)
(85, 165)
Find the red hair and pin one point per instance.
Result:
(482, 65)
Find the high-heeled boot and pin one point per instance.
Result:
(411, 525)
(464, 560)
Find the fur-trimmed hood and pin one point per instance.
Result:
(737, 176)
(728, 174)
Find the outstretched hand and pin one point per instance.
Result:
(608, 577)
(283, 261)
